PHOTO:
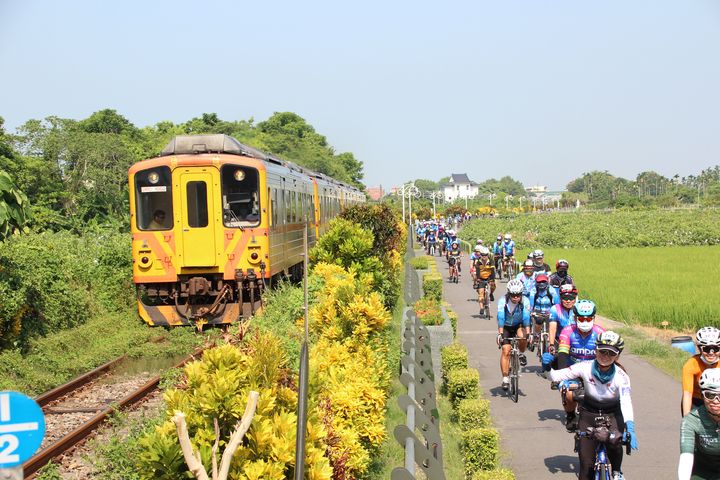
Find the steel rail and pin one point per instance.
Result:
(76, 383)
(37, 461)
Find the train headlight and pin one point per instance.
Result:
(254, 256)
(153, 177)
(239, 175)
(145, 261)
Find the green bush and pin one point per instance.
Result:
(480, 450)
(453, 316)
(432, 286)
(419, 263)
(453, 357)
(498, 474)
(463, 384)
(473, 413)
(428, 311)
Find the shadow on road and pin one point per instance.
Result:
(552, 414)
(562, 463)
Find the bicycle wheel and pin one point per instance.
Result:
(514, 374)
(487, 301)
(602, 472)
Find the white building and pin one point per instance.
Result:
(536, 189)
(459, 186)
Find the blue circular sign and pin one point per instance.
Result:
(22, 428)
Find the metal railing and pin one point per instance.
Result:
(420, 436)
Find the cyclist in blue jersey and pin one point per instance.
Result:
(560, 277)
(527, 277)
(562, 315)
(542, 299)
(497, 254)
(508, 251)
(513, 321)
(577, 344)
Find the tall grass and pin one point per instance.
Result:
(647, 285)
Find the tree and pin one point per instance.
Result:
(13, 207)
(426, 186)
(506, 185)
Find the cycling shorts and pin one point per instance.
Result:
(509, 332)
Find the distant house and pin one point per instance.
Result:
(459, 186)
(375, 193)
(536, 189)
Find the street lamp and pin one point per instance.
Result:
(521, 199)
(491, 196)
(402, 191)
(412, 191)
(435, 196)
(507, 201)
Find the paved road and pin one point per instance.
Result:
(533, 436)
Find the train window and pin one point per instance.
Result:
(272, 198)
(240, 196)
(153, 199)
(197, 204)
(288, 207)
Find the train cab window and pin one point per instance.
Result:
(240, 196)
(197, 204)
(153, 199)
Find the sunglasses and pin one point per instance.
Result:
(567, 297)
(607, 353)
(710, 349)
(584, 319)
(515, 295)
(710, 395)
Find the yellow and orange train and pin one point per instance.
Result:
(214, 221)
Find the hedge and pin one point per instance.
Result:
(419, 263)
(480, 449)
(453, 357)
(498, 474)
(463, 384)
(432, 286)
(473, 413)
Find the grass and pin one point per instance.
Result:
(668, 359)
(647, 285)
(450, 434)
(58, 357)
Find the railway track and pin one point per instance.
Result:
(74, 410)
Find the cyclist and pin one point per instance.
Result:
(527, 277)
(483, 270)
(542, 299)
(475, 255)
(431, 242)
(513, 321)
(539, 261)
(560, 277)
(508, 251)
(699, 434)
(497, 252)
(708, 342)
(562, 315)
(454, 255)
(577, 344)
(607, 394)
(442, 235)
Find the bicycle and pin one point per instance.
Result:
(509, 268)
(431, 249)
(498, 260)
(483, 289)
(602, 434)
(541, 340)
(514, 372)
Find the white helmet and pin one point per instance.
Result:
(484, 250)
(508, 236)
(515, 286)
(478, 248)
(538, 253)
(451, 232)
(710, 379)
(479, 241)
(707, 336)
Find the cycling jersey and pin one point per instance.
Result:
(497, 248)
(562, 316)
(519, 316)
(431, 238)
(542, 302)
(556, 281)
(691, 372)
(484, 270)
(544, 268)
(699, 436)
(474, 256)
(509, 248)
(600, 396)
(577, 346)
(528, 283)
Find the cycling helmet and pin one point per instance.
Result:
(478, 248)
(710, 379)
(484, 251)
(707, 336)
(479, 241)
(499, 237)
(568, 289)
(508, 236)
(531, 256)
(541, 278)
(611, 341)
(562, 264)
(528, 264)
(585, 308)
(538, 253)
(515, 286)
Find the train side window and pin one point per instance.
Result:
(197, 214)
(153, 199)
(288, 208)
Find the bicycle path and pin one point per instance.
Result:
(534, 442)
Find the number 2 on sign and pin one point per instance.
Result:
(12, 443)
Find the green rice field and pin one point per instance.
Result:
(647, 285)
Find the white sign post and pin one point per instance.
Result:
(22, 428)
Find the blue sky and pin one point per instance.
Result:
(541, 91)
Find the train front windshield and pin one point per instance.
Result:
(240, 196)
(153, 199)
